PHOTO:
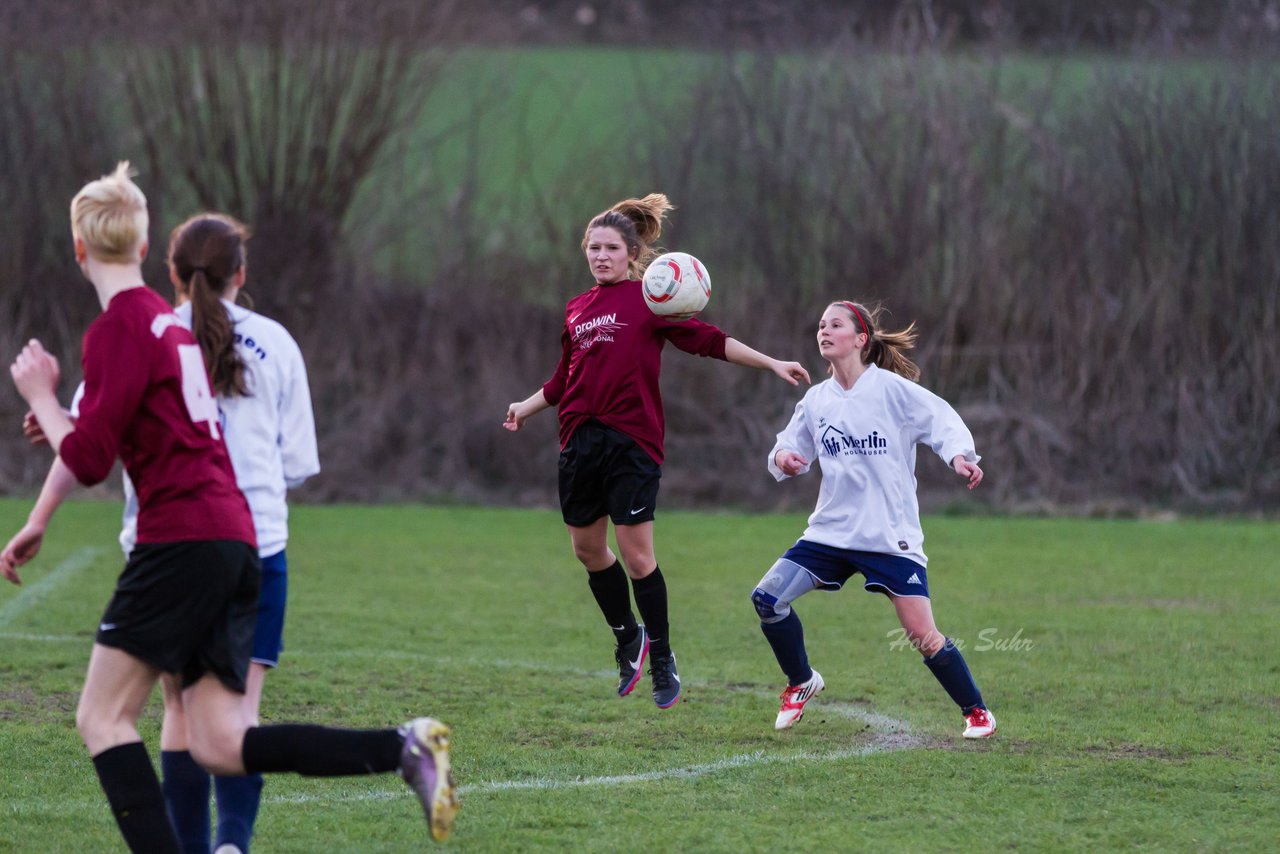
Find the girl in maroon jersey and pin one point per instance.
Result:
(611, 430)
(187, 599)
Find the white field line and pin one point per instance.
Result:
(890, 735)
(883, 742)
(880, 744)
(31, 596)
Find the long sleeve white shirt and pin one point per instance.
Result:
(270, 434)
(864, 440)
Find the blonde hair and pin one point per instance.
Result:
(639, 222)
(884, 349)
(110, 216)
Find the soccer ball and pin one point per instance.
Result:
(676, 286)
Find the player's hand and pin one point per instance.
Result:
(789, 462)
(32, 430)
(23, 547)
(966, 469)
(35, 372)
(792, 372)
(515, 418)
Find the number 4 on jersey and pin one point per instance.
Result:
(201, 405)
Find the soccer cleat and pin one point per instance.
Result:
(630, 659)
(794, 698)
(424, 765)
(666, 682)
(979, 724)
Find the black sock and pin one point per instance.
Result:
(318, 751)
(651, 602)
(133, 790)
(609, 586)
(786, 636)
(950, 669)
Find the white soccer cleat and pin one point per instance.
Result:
(979, 724)
(424, 765)
(794, 698)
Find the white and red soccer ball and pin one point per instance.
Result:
(676, 286)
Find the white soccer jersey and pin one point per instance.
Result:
(864, 440)
(271, 434)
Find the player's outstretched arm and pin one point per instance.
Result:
(740, 354)
(26, 543)
(518, 412)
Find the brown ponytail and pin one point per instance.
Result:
(639, 221)
(205, 252)
(884, 349)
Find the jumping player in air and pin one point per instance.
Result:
(611, 430)
(862, 426)
(187, 599)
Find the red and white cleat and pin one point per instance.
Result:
(794, 698)
(979, 724)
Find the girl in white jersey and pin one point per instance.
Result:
(257, 372)
(862, 425)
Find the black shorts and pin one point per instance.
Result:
(603, 471)
(187, 608)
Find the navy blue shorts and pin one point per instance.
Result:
(604, 472)
(268, 634)
(187, 608)
(831, 567)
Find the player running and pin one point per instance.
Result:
(187, 598)
(260, 380)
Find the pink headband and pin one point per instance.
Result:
(858, 315)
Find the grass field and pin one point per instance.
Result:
(1132, 666)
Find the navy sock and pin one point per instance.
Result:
(787, 639)
(950, 669)
(609, 586)
(186, 794)
(133, 790)
(318, 751)
(651, 602)
(237, 799)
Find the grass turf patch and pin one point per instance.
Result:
(1130, 665)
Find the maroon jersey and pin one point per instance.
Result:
(610, 360)
(147, 400)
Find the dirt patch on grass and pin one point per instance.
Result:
(25, 705)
